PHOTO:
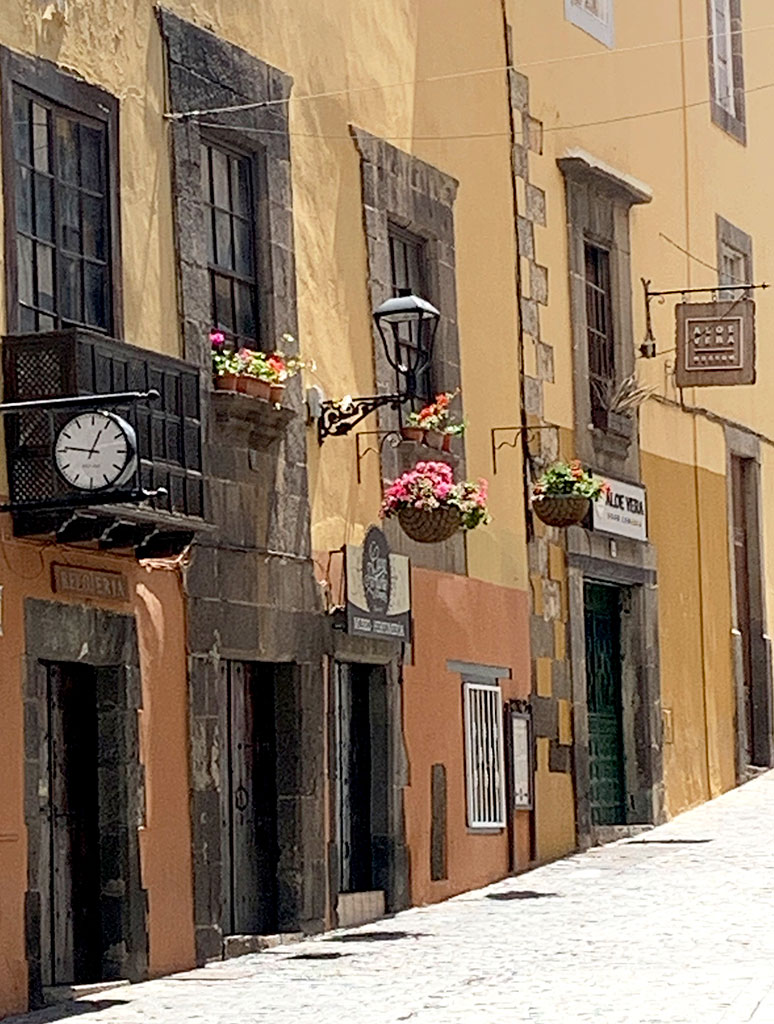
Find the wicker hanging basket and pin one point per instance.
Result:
(430, 526)
(560, 509)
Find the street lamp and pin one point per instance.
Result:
(407, 325)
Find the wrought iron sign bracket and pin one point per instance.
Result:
(337, 419)
(518, 432)
(394, 437)
(648, 346)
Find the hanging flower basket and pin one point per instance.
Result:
(564, 492)
(431, 507)
(560, 509)
(430, 526)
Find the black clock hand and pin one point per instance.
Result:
(72, 448)
(93, 448)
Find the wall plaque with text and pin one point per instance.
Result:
(715, 343)
(95, 583)
(378, 590)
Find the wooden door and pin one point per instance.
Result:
(354, 778)
(740, 487)
(603, 690)
(75, 888)
(252, 799)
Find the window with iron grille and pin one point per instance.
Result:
(407, 268)
(484, 759)
(599, 332)
(62, 217)
(227, 186)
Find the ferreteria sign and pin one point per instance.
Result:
(378, 590)
(70, 579)
(623, 511)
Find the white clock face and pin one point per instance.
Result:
(95, 450)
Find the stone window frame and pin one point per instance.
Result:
(64, 90)
(205, 71)
(402, 190)
(599, 201)
(729, 236)
(734, 124)
(399, 188)
(602, 29)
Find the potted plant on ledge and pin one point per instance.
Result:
(562, 495)
(433, 425)
(431, 507)
(255, 373)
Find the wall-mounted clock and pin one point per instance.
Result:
(96, 450)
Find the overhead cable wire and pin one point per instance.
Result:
(183, 115)
(484, 135)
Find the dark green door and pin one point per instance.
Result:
(603, 684)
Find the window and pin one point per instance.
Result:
(732, 271)
(227, 185)
(593, 16)
(62, 217)
(726, 68)
(721, 54)
(484, 761)
(407, 269)
(599, 332)
(734, 248)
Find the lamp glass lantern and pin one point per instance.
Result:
(407, 325)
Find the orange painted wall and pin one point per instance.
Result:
(157, 604)
(457, 619)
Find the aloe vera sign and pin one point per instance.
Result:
(623, 510)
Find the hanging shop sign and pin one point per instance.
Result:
(378, 590)
(622, 511)
(69, 579)
(715, 343)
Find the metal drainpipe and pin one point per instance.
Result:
(525, 459)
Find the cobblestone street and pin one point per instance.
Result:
(673, 926)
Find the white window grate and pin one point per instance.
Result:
(484, 761)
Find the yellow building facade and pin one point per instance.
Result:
(344, 136)
(643, 128)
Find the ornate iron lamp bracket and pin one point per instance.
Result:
(338, 418)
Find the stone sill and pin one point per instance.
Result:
(262, 421)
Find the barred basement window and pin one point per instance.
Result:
(484, 761)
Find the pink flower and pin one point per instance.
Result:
(217, 339)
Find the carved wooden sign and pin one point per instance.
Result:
(715, 343)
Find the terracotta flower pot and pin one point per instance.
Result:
(446, 442)
(430, 526)
(412, 433)
(276, 391)
(560, 509)
(434, 439)
(254, 387)
(226, 382)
